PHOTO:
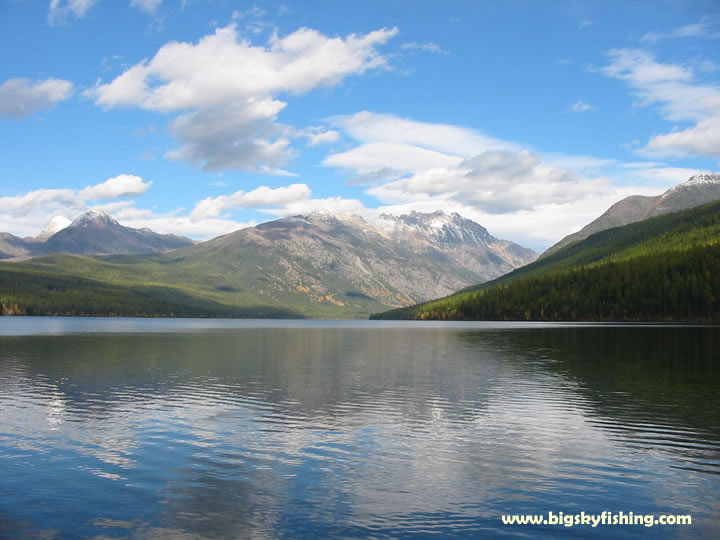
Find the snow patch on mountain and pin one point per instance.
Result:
(56, 224)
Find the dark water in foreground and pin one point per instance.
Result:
(236, 429)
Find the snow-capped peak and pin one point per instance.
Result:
(703, 179)
(438, 227)
(56, 224)
(326, 215)
(93, 216)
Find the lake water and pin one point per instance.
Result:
(142, 428)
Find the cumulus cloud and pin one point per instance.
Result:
(703, 139)
(227, 90)
(60, 10)
(263, 196)
(20, 97)
(45, 198)
(124, 185)
(680, 98)
(28, 213)
(410, 161)
(239, 136)
(148, 6)
(494, 182)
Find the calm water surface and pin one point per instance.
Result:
(235, 429)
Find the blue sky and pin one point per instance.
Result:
(201, 117)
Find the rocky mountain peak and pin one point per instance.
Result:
(56, 224)
(438, 227)
(703, 179)
(330, 216)
(97, 217)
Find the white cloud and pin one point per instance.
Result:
(426, 47)
(236, 136)
(124, 185)
(577, 162)
(263, 196)
(220, 69)
(331, 204)
(659, 175)
(454, 140)
(580, 106)
(689, 30)
(28, 213)
(171, 223)
(23, 204)
(494, 182)
(319, 135)
(60, 10)
(452, 163)
(680, 99)
(20, 98)
(402, 157)
(703, 139)
(228, 90)
(148, 6)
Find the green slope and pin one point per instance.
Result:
(162, 285)
(31, 290)
(664, 268)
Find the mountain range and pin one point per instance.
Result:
(342, 266)
(92, 233)
(322, 265)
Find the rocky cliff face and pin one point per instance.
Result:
(466, 242)
(698, 190)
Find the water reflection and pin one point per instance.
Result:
(331, 431)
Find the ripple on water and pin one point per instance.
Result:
(343, 433)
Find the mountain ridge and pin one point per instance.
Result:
(322, 265)
(697, 190)
(94, 232)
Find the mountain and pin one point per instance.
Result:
(96, 233)
(57, 224)
(339, 259)
(13, 246)
(321, 265)
(467, 243)
(698, 190)
(92, 233)
(662, 268)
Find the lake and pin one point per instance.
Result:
(178, 428)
